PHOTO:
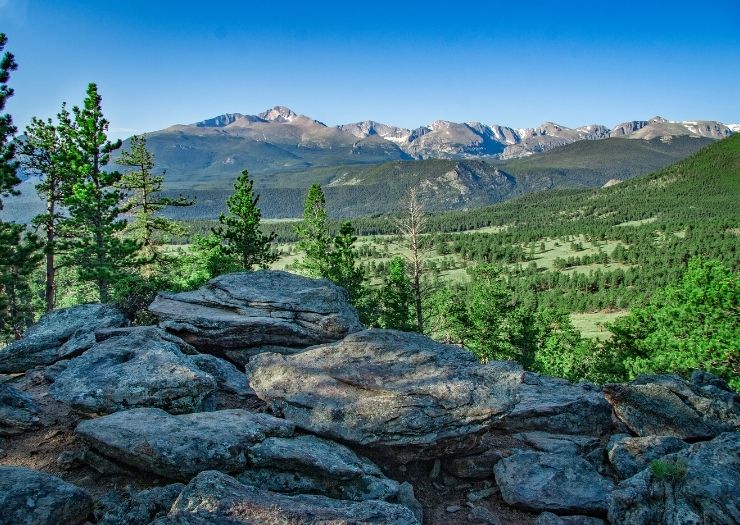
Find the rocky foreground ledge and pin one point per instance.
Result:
(260, 399)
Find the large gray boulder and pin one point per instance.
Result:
(311, 465)
(559, 483)
(18, 412)
(629, 455)
(386, 388)
(666, 405)
(178, 447)
(243, 311)
(557, 406)
(138, 367)
(60, 334)
(695, 486)
(29, 497)
(214, 497)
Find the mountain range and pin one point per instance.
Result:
(277, 141)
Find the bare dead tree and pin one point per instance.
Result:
(411, 225)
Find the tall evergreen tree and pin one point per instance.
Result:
(240, 229)
(18, 250)
(93, 242)
(343, 268)
(397, 298)
(44, 153)
(314, 239)
(8, 163)
(145, 200)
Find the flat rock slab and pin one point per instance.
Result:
(560, 483)
(139, 367)
(18, 412)
(178, 447)
(666, 405)
(311, 465)
(558, 443)
(29, 497)
(58, 335)
(629, 455)
(557, 406)
(703, 488)
(239, 311)
(386, 388)
(214, 497)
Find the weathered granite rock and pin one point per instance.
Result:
(178, 447)
(548, 518)
(311, 465)
(558, 443)
(138, 368)
(29, 497)
(629, 455)
(558, 406)
(229, 379)
(666, 405)
(561, 483)
(138, 508)
(18, 412)
(60, 334)
(214, 497)
(153, 332)
(704, 489)
(245, 310)
(386, 388)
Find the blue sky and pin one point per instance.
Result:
(406, 63)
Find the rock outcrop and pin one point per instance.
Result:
(138, 367)
(311, 465)
(58, 335)
(629, 455)
(557, 406)
(386, 388)
(552, 482)
(214, 497)
(179, 447)
(18, 412)
(245, 311)
(666, 405)
(696, 485)
(29, 497)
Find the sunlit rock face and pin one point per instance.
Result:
(243, 312)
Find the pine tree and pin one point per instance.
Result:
(314, 239)
(45, 154)
(93, 241)
(18, 250)
(240, 230)
(343, 268)
(396, 298)
(8, 163)
(145, 200)
(411, 225)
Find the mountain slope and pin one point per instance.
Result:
(213, 151)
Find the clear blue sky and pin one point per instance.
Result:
(406, 63)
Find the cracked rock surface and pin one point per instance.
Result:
(242, 311)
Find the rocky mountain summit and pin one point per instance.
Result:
(442, 138)
(260, 398)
